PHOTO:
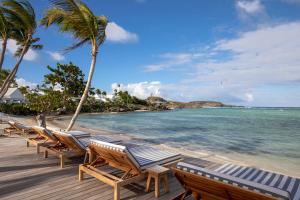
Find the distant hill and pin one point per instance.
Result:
(175, 104)
(153, 99)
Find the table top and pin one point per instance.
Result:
(158, 169)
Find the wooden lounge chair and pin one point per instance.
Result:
(11, 129)
(72, 145)
(207, 184)
(131, 161)
(44, 137)
(18, 128)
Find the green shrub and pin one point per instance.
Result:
(16, 109)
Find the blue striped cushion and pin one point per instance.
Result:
(87, 140)
(250, 185)
(286, 183)
(147, 156)
(71, 137)
(79, 134)
(22, 126)
(142, 156)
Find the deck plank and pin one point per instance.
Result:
(25, 175)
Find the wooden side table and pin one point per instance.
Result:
(158, 173)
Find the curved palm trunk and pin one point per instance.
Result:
(86, 90)
(4, 43)
(13, 73)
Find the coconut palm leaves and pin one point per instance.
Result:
(76, 18)
(4, 31)
(21, 16)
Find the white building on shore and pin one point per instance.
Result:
(13, 95)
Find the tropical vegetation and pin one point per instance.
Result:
(61, 90)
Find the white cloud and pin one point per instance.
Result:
(171, 60)
(12, 48)
(252, 12)
(251, 7)
(266, 55)
(142, 89)
(234, 70)
(116, 33)
(56, 55)
(58, 87)
(249, 97)
(23, 83)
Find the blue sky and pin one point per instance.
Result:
(238, 52)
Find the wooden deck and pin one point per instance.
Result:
(26, 175)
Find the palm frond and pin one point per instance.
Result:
(3, 24)
(53, 16)
(19, 51)
(36, 47)
(76, 18)
(79, 44)
(17, 34)
(13, 19)
(66, 5)
(34, 40)
(22, 12)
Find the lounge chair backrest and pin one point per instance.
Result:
(45, 133)
(22, 126)
(70, 141)
(12, 123)
(220, 186)
(79, 134)
(115, 155)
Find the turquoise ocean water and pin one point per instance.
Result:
(269, 135)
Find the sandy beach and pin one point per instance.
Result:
(62, 121)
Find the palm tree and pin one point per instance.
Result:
(76, 18)
(4, 35)
(21, 15)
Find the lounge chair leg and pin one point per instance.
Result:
(38, 149)
(85, 158)
(117, 192)
(196, 196)
(148, 184)
(62, 161)
(46, 154)
(80, 177)
(157, 192)
(166, 183)
(27, 144)
(91, 156)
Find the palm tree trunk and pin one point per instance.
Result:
(4, 43)
(13, 73)
(87, 87)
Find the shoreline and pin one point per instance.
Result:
(62, 121)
